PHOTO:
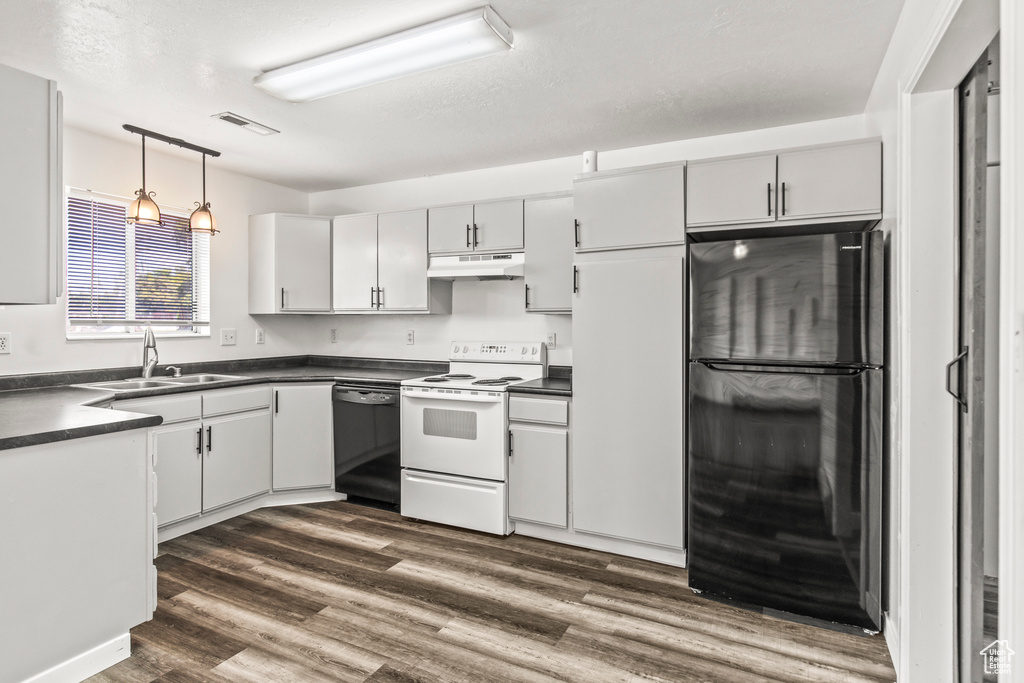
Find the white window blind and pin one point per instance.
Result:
(122, 277)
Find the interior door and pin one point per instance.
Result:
(971, 371)
(402, 260)
(354, 278)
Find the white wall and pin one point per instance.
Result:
(912, 107)
(114, 167)
(494, 310)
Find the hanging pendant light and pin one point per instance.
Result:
(202, 219)
(144, 210)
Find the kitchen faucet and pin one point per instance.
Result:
(149, 342)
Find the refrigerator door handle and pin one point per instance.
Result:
(950, 367)
(781, 369)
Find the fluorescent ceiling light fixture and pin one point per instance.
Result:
(456, 39)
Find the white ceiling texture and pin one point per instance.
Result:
(584, 74)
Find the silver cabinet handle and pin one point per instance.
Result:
(575, 280)
(373, 302)
(476, 242)
(468, 243)
(577, 222)
(527, 296)
(380, 298)
(209, 439)
(950, 367)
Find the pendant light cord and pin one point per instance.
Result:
(204, 180)
(143, 163)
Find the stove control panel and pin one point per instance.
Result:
(499, 352)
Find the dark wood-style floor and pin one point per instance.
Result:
(338, 592)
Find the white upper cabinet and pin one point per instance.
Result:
(289, 264)
(639, 207)
(731, 191)
(831, 181)
(484, 227)
(31, 247)
(380, 265)
(354, 282)
(823, 184)
(402, 261)
(498, 226)
(549, 241)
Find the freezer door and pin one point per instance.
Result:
(785, 489)
(803, 299)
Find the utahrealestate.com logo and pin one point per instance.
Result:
(997, 657)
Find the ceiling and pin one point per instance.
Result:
(584, 74)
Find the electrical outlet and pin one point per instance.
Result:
(5, 342)
(227, 336)
(334, 336)
(410, 337)
(551, 341)
(260, 337)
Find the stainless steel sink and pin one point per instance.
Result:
(129, 384)
(199, 379)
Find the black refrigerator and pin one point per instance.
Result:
(785, 425)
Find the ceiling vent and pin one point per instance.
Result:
(245, 124)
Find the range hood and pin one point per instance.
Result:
(477, 266)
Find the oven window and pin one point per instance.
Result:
(453, 424)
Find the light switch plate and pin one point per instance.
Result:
(227, 336)
(334, 335)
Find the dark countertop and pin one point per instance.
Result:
(44, 414)
(550, 386)
(39, 409)
(29, 417)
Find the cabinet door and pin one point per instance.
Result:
(498, 226)
(537, 471)
(236, 461)
(730, 191)
(549, 243)
(354, 244)
(630, 209)
(450, 229)
(179, 472)
(31, 189)
(402, 260)
(303, 262)
(831, 181)
(628, 386)
(303, 436)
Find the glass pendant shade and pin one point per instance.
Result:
(202, 220)
(144, 209)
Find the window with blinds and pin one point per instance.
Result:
(122, 278)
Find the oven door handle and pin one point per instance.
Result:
(464, 398)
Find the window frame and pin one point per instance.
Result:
(133, 328)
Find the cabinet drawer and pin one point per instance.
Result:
(171, 409)
(235, 400)
(538, 410)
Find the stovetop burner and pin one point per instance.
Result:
(510, 379)
(491, 382)
(458, 375)
(435, 379)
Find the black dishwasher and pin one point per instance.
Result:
(367, 445)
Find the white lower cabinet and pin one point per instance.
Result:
(237, 458)
(179, 471)
(212, 450)
(303, 436)
(628, 389)
(538, 462)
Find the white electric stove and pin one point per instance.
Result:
(455, 434)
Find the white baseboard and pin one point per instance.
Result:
(892, 640)
(676, 558)
(88, 663)
(296, 497)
